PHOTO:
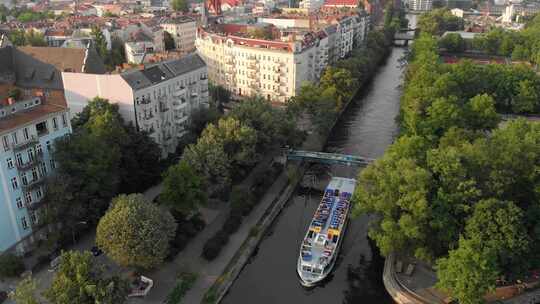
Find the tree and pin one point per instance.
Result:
(527, 99)
(34, 38)
(500, 226)
(452, 42)
(117, 54)
(26, 292)
(10, 265)
(219, 96)
(100, 43)
(134, 232)
(180, 5)
(341, 81)
(79, 280)
(468, 273)
(183, 189)
(169, 41)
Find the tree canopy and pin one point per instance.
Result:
(180, 5)
(134, 232)
(80, 280)
(183, 189)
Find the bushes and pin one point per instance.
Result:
(11, 265)
(242, 203)
(184, 283)
(186, 230)
(213, 246)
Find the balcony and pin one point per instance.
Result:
(31, 163)
(181, 134)
(163, 107)
(180, 119)
(179, 92)
(32, 141)
(145, 101)
(34, 205)
(34, 183)
(179, 105)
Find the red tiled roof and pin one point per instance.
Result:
(341, 2)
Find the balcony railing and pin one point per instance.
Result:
(31, 141)
(33, 183)
(30, 163)
(34, 205)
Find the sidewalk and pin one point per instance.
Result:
(190, 258)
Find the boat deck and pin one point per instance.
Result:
(321, 241)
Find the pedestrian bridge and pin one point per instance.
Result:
(328, 158)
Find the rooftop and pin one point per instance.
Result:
(158, 72)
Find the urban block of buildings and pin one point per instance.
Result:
(156, 98)
(274, 57)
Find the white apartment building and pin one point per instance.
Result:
(158, 99)
(273, 69)
(311, 5)
(183, 30)
(420, 5)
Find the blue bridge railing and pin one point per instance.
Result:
(328, 158)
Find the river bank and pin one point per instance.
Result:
(365, 127)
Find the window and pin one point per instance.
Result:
(53, 165)
(24, 179)
(39, 193)
(9, 163)
(41, 128)
(19, 203)
(64, 121)
(25, 134)
(42, 169)
(5, 143)
(33, 217)
(19, 159)
(54, 124)
(48, 143)
(14, 137)
(24, 223)
(34, 174)
(14, 183)
(39, 149)
(28, 197)
(31, 155)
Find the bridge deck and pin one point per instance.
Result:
(330, 158)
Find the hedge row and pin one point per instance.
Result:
(242, 201)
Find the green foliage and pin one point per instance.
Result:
(28, 15)
(218, 95)
(15, 93)
(438, 21)
(101, 158)
(134, 232)
(79, 280)
(184, 282)
(169, 41)
(452, 42)
(468, 273)
(23, 38)
(180, 5)
(183, 189)
(10, 265)
(273, 126)
(25, 292)
(99, 42)
(527, 99)
(213, 246)
(221, 151)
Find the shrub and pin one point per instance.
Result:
(184, 283)
(11, 265)
(213, 246)
(241, 202)
(198, 222)
(232, 223)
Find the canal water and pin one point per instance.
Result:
(366, 128)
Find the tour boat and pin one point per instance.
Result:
(320, 246)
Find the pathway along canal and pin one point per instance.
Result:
(366, 128)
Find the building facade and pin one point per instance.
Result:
(158, 99)
(420, 5)
(183, 31)
(276, 67)
(28, 129)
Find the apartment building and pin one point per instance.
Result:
(276, 64)
(33, 114)
(183, 30)
(420, 5)
(158, 98)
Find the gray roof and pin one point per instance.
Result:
(6, 61)
(178, 20)
(158, 72)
